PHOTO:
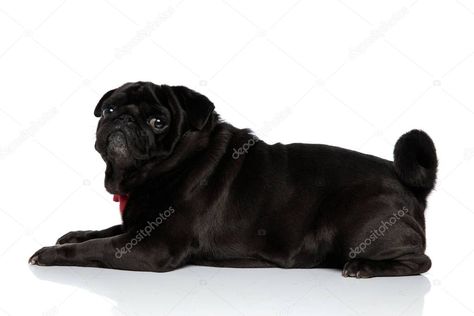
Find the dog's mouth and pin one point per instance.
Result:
(122, 147)
(122, 152)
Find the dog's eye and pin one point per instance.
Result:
(156, 123)
(108, 109)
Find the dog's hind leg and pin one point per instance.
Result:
(366, 268)
(382, 242)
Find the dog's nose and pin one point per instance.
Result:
(117, 148)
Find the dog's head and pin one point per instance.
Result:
(140, 125)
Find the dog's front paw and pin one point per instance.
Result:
(44, 257)
(74, 237)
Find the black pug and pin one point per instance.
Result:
(196, 190)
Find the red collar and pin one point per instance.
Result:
(123, 199)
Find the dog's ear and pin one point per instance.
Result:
(198, 108)
(98, 107)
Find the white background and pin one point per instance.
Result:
(356, 74)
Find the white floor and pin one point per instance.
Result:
(209, 291)
(355, 74)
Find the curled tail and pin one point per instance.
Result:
(416, 162)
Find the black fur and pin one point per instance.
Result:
(416, 162)
(232, 200)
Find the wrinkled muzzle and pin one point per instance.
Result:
(122, 143)
(117, 148)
